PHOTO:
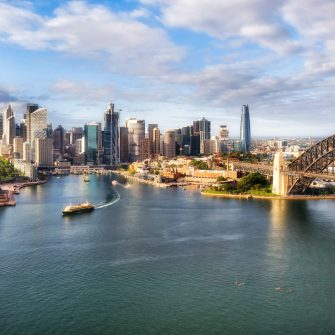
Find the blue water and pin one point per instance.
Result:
(164, 261)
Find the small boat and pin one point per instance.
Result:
(86, 179)
(114, 182)
(77, 209)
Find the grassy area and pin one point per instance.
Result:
(265, 192)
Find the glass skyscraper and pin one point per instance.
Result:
(111, 136)
(245, 134)
(92, 142)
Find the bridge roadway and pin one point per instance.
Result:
(267, 169)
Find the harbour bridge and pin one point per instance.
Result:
(296, 177)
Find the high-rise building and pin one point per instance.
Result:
(9, 126)
(124, 146)
(144, 149)
(203, 128)
(245, 134)
(38, 128)
(59, 139)
(151, 127)
(169, 144)
(195, 145)
(76, 133)
(136, 131)
(111, 142)
(93, 145)
(26, 152)
(43, 151)
(18, 147)
(31, 108)
(156, 142)
(224, 133)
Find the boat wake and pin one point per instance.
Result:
(109, 203)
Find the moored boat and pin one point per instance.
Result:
(86, 179)
(77, 209)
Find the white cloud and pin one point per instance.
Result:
(80, 29)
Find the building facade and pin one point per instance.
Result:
(169, 144)
(93, 144)
(245, 133)
(136, 132)
(111, 142)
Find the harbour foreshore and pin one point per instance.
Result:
(126, 175)
(262, 197)
(9, 189)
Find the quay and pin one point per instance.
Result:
(7, 191)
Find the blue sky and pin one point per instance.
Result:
(173, 61)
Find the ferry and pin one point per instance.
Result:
(79, 208)
(114, 182)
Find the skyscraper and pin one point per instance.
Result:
(111, 136)
(151, 127)
(124, 147)
(27, 120)
(156, 142)
(38, 128)
(59, 139)
(169, 144)
(136, 131)
(245, 134)
(92, 143)
(9, 127)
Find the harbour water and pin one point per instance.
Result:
(164, 261)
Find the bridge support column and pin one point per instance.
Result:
(280, 180)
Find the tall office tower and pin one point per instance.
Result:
(38, 128)
(179, 141)
(67, 139)
(196, 127)
(245, 134)
(76, 134)
(195, 145)
(151, 127)
(204, 129)
(224, 133)
(136, 131)
(59, 139)
(156, 142)
(111, 142)
(144, 149)
(93, 144)
(124, 146)
(31, 108)
(169, 144)
(18, 147)
(1, 125)
(26, 152)
(9, 126)
(43, 151)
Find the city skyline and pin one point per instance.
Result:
(163, 62)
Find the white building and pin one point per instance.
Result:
(136, 132)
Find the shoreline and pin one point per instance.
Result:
(9, 189)
(263, 197)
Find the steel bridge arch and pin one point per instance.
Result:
(315, 160)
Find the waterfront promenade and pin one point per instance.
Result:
(8, 190)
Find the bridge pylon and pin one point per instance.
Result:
(280, 179)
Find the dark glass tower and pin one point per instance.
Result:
(245, 134)
(111, 136)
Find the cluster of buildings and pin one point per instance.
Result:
(34, 143)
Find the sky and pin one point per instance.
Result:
(173, 61)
